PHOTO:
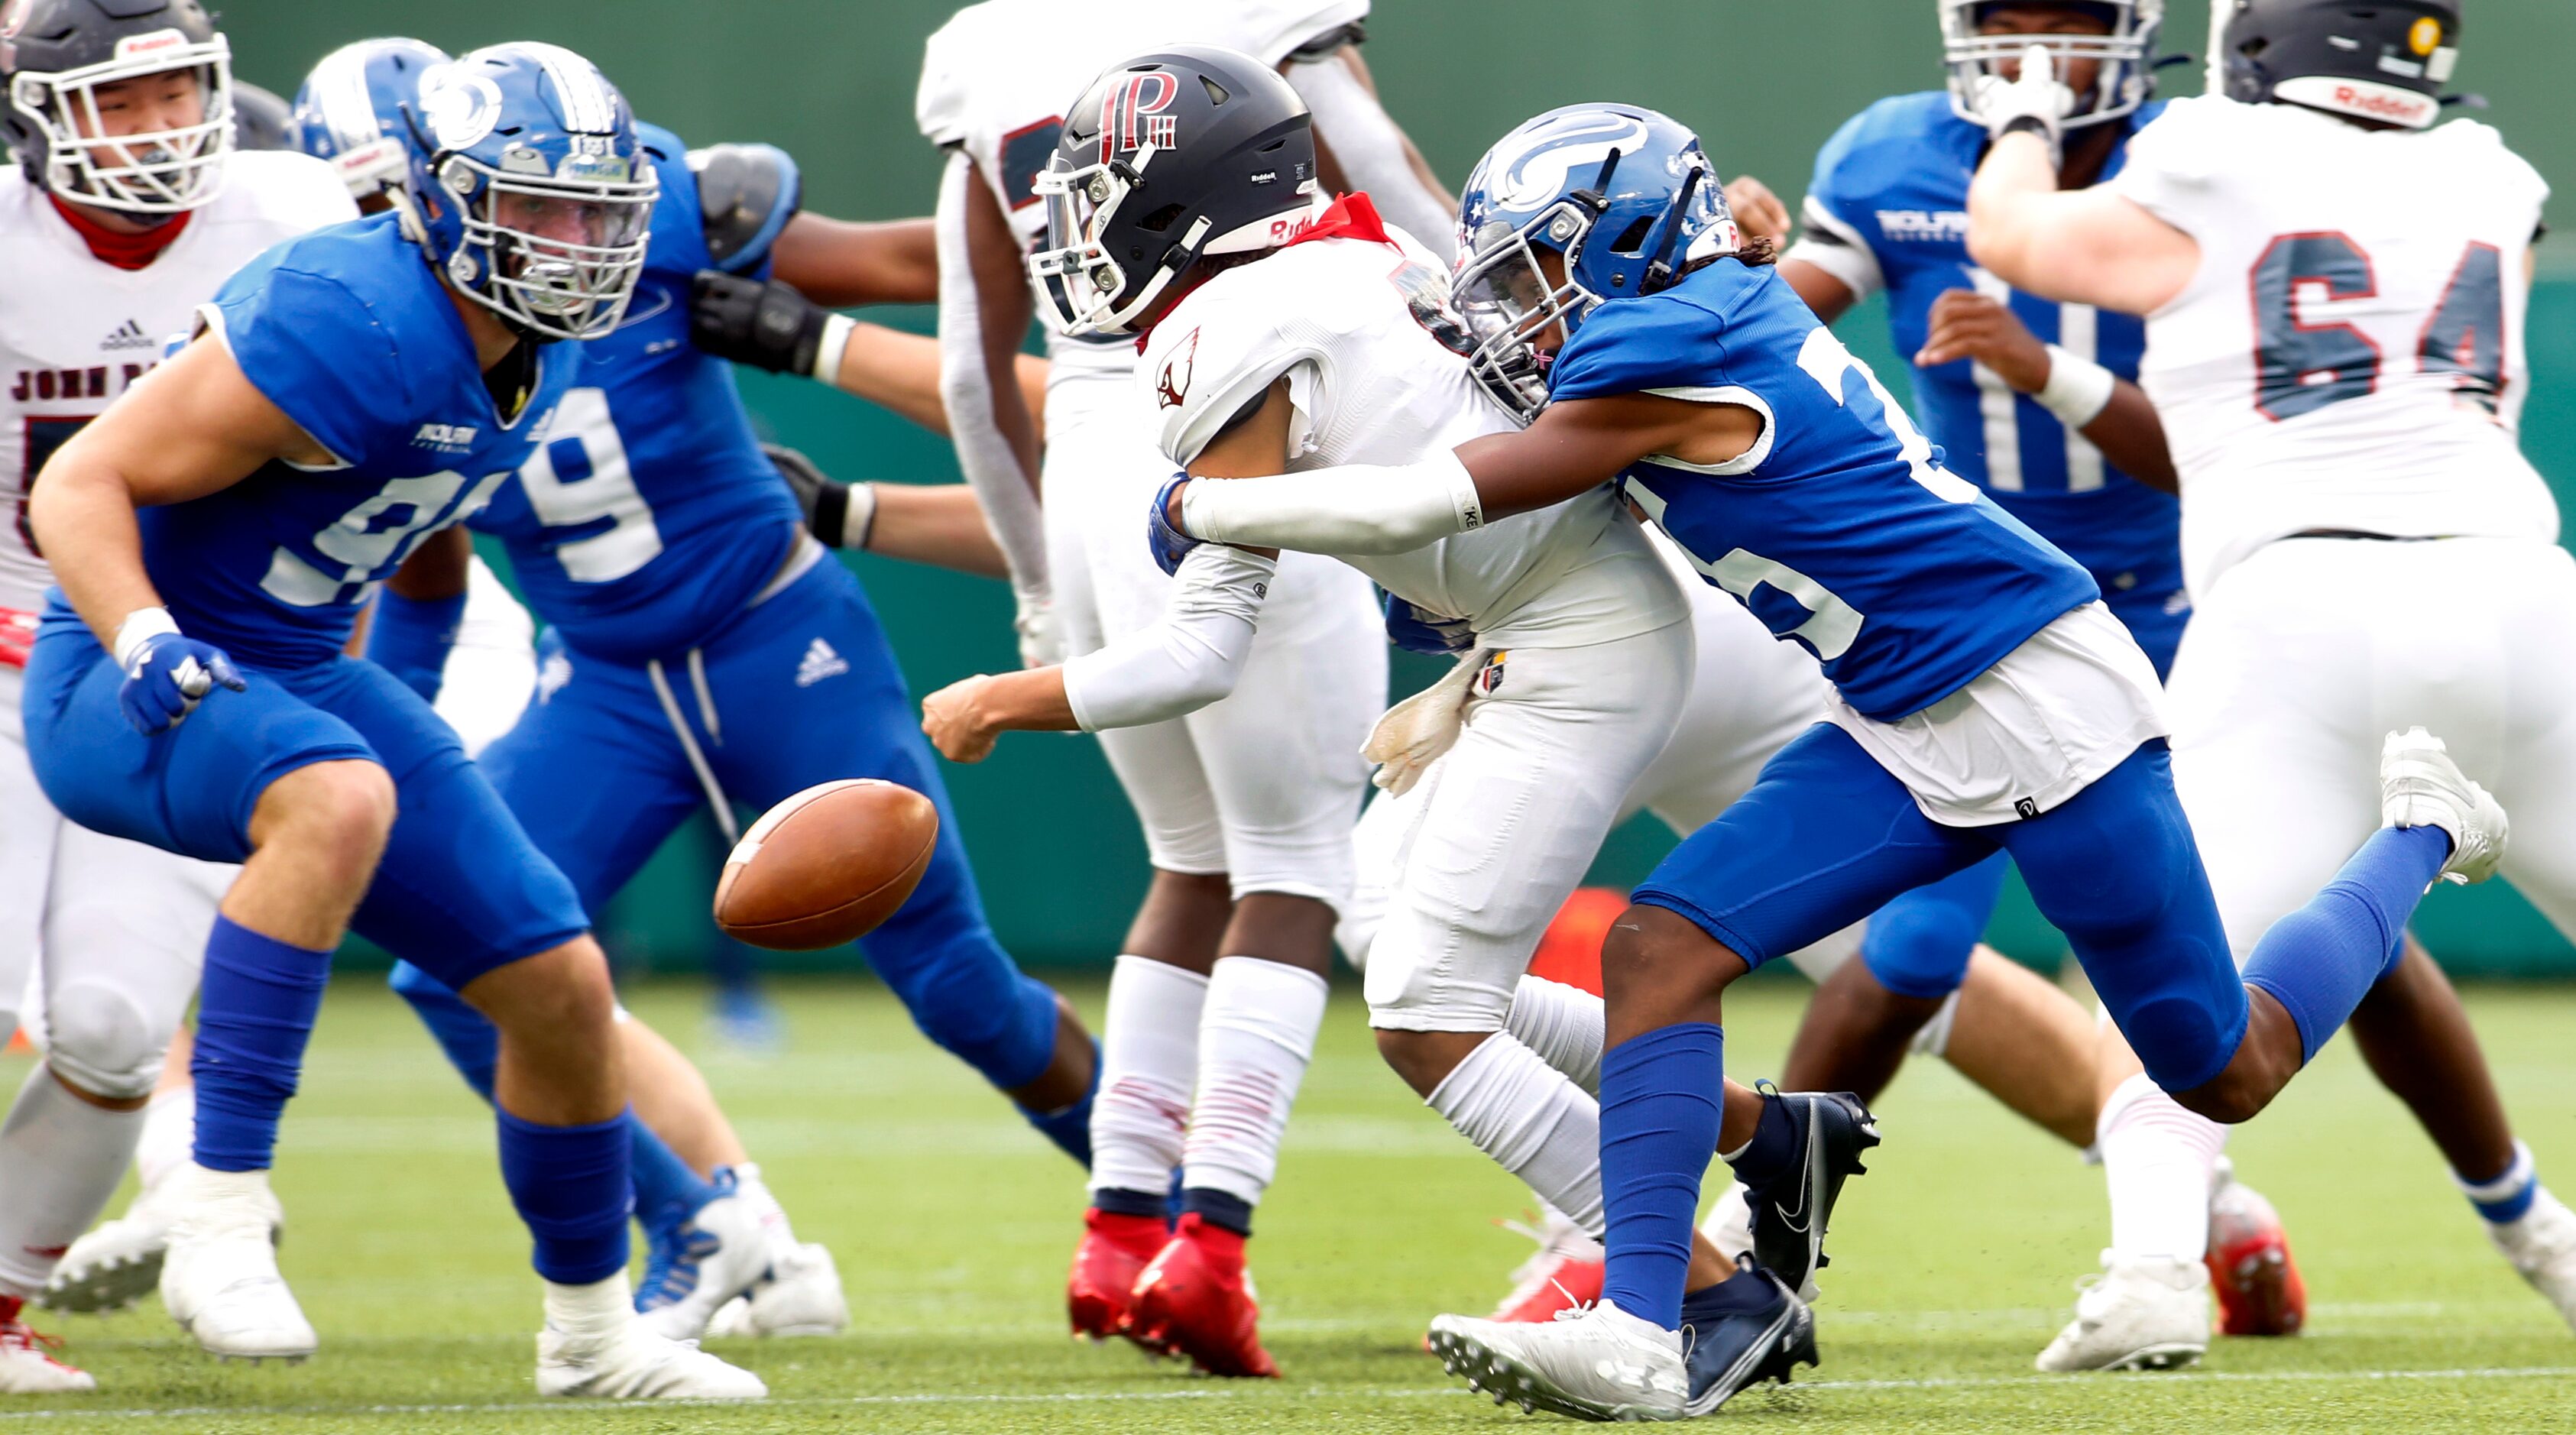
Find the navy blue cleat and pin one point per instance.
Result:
(1791, 1205)
(1741, 1333)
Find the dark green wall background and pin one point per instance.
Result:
(1764, 83)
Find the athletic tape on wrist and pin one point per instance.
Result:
(140, 627)
(2078, 389)
(835, 342)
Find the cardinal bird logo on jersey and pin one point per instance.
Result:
(1173, 384)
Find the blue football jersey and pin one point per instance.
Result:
(650, 515)
(351, 333)
(1894, 182)
(1838, 530)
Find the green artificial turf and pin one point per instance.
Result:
(952, 1224)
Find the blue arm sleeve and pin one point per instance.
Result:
(317, 351)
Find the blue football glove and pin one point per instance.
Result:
(1417, 630)
(1170, 544)
(167, 676)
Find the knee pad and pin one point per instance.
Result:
(1920, 949)
(102, 1041)
(969, 999)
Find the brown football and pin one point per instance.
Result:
(827, 865)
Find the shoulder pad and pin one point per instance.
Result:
(746, 195)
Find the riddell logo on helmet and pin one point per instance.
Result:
(1288, 227)
(2382, 104)
(152, 44)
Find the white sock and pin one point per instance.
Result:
(1729, 1226)
(1254, 1041)
(60, 1159)
(587, 1314)
(2158, 1159)
(1149, 1065)
(1565, 1025)
(169, 1135)
(775, 1232)
(1532, 1120)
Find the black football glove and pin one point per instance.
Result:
(766, 325)
(826, 504)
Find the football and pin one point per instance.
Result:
(827, 865)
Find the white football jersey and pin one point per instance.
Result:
(1373, 357)
(997, 77)
(2350, 355)
(75, 331)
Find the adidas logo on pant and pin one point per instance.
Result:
(819, 662)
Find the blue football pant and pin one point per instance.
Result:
(1828, 835)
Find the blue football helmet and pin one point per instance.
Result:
(358, 109)
(1620, 194)
(534, 196)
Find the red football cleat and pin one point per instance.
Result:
(1565, 1271)
(1112, 1255)
(1196, 1299)
(2259, 1288)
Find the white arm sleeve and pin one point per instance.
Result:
(1189, 658)
(1358, 131)
(1354, 509)
(965, 387)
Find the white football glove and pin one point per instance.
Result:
(2036, 101)
(1418, 731)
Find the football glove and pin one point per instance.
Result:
(167, 675)
(840, 514)
(1418, 630)
(766, 325)
(2036, 102)
(1170, 544)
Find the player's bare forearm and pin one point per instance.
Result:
(2084, 246)
(2132, 438)
(1578, 444)
(436, 570)
(899, 371)
(964, 719)
(839, 263)
(1828, 296)
(195, 428)
(936, 524)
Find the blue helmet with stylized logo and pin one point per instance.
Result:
(534, 194)
(359, 109)
(1620, 194)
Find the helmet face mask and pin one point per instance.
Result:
(1516, 315)
(1168, 161)
(169, 170)
(2125, 57)
(546, 219)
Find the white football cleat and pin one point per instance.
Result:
(2142, 1313)
(27, 1362)
(116, 1264)
(220, 1279)
(2542, 1247)
(2419, 786)
(720, 1252)
(636, 1364)
(1595, 1363)
(801, 1295)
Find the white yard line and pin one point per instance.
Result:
(1270, 1393)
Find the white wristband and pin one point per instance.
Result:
(859, 517)
(141, 626)
(837, 329)
(2078, 389)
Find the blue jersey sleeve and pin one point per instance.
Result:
(319, 352)
(1831, 185)
(1635, 346)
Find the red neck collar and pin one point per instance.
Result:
(1352, 216)
(115, 247)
